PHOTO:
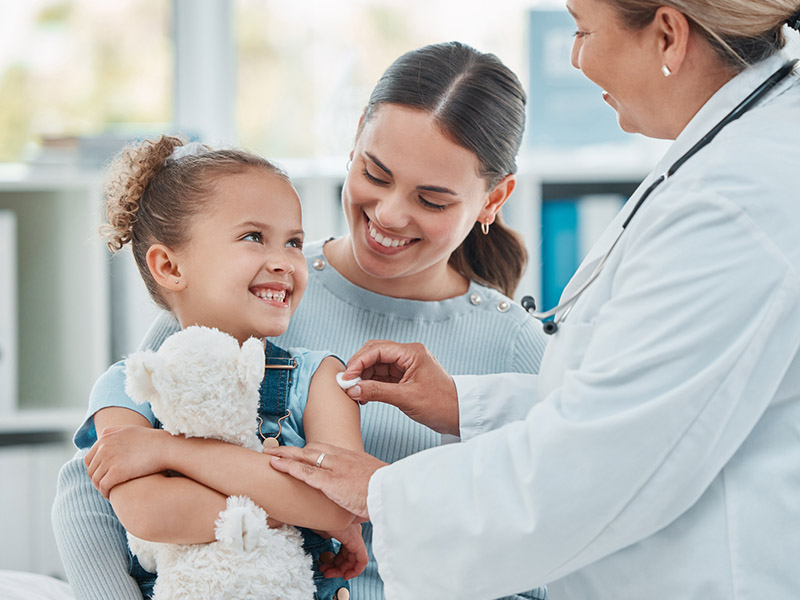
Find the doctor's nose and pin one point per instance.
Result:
(573, 55)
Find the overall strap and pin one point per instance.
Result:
(274, 391)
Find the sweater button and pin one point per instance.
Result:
(475, 298)
(318, 264)
(503, 306)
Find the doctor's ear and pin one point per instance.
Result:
(163, 265)
(673, 30)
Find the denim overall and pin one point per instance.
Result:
(274, 394)
(274, 397)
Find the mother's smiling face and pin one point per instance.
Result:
(411, 196)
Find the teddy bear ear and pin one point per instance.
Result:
(251, 364)
(139, 369)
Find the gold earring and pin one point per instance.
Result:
(485, 227)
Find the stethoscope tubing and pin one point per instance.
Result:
(550, 327)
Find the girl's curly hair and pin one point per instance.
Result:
(151, 198)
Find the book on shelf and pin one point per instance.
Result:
(8, 313)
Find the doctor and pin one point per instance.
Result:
(661, 455)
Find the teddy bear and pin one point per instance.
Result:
(201, 383)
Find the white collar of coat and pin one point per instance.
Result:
(719, 105)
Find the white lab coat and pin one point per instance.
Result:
(663, 457)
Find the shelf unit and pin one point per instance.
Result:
(63, 345)
(62, 295)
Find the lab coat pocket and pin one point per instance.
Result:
(565, 352)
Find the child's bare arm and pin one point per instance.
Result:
(125, 455)
(155, 507)
(227, 468)
(177, 510)
(331, 416)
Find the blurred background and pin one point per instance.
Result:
(81, 78)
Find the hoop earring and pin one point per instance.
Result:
(348, 165)
(485, 227)
(665, 70)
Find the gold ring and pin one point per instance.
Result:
(320, 459)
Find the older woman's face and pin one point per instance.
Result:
(624, 63)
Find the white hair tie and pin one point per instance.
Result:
(190, 149)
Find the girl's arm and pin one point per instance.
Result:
(127, 453)
(155, 507)
(331, 416)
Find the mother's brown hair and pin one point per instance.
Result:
(479, 104)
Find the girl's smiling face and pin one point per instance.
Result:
(243, 270)
(411, 197)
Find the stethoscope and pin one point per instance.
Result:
(528, 303)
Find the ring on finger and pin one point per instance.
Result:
(320, 458)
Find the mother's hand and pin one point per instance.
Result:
(342, 475)
(126, 452)
(409, 377)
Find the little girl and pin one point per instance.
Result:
(217, 237)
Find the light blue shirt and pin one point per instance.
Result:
(109, 390)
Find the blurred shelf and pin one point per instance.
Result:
(23, 177)
(36, 421)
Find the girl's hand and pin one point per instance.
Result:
(126, 452)
(352, 558)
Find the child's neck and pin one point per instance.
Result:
(241, 338)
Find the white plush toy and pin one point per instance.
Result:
(201, 383)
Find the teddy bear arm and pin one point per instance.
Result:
(146, 552)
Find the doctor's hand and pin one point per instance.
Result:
(342, 475)
(409, 377)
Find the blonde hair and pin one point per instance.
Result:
(743, 32)
(151, 198)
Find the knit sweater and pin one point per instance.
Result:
(479, 332)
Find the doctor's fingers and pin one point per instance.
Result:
(434, 403)
(427, 394)
(383, 360)
(342, 475)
